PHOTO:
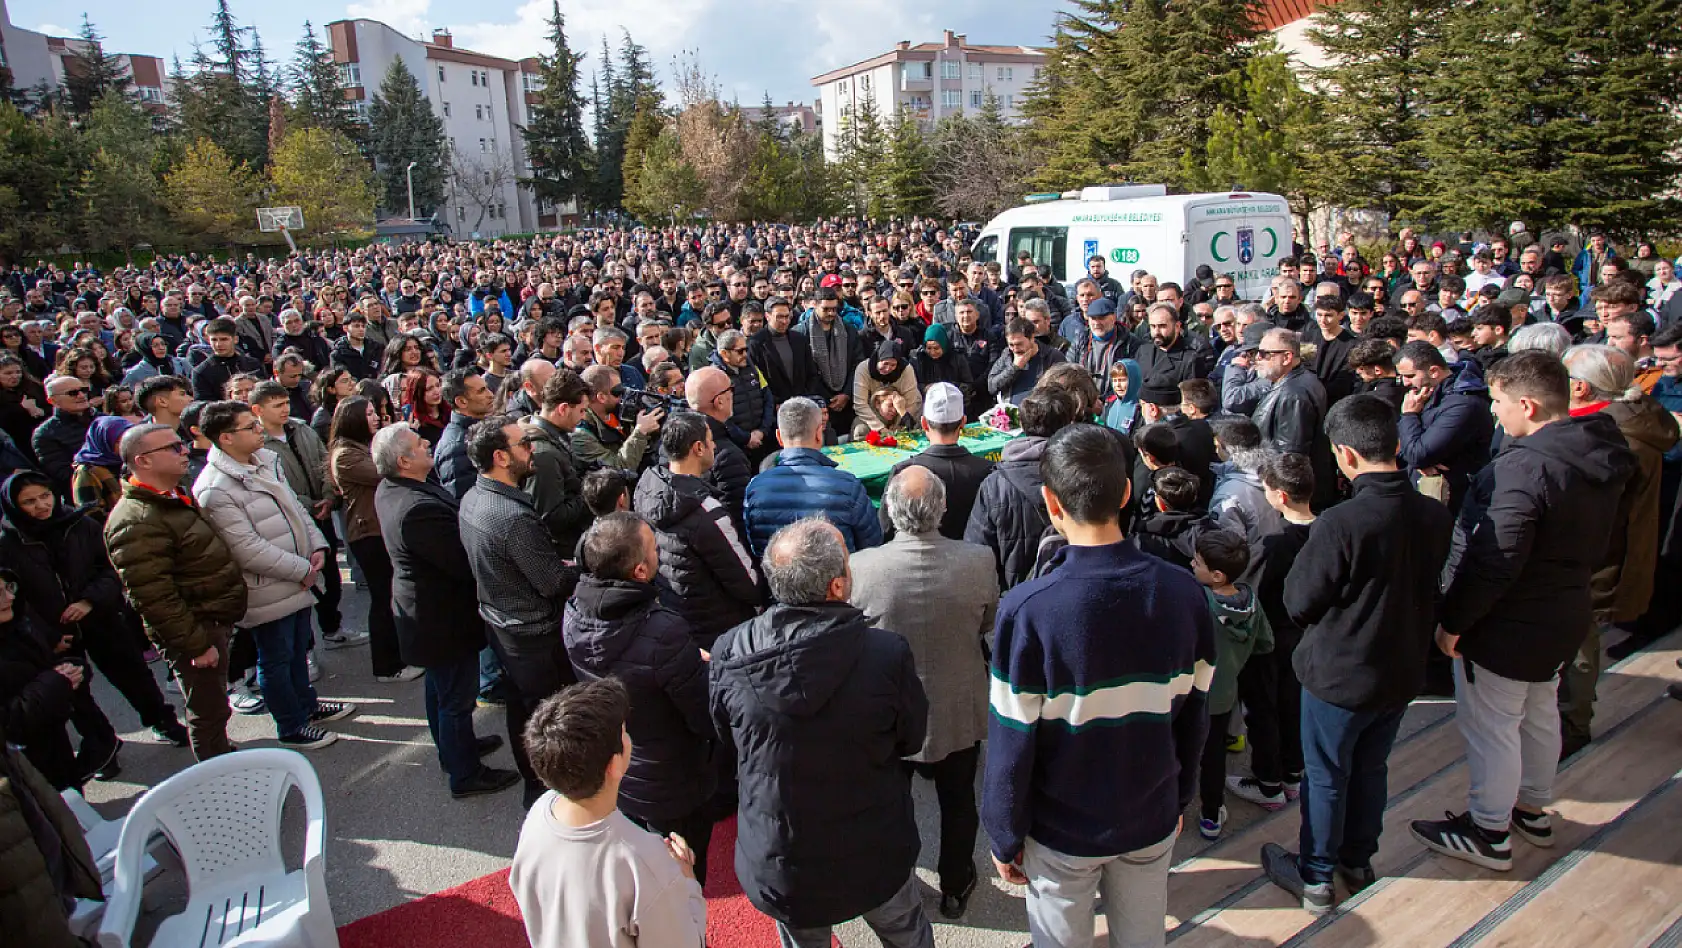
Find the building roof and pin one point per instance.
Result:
(905, 52)
(1278, 13)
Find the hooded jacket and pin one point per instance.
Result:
(802, 483)
(1535, 527)
(1452, 431)
(1241, 630)
(58, 561)
(621, 629)
(1624, 585)
(1170, 535)
(709, 573)
(820, 708)
(1009, 514)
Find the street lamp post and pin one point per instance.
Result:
(410, 174)
(674, 215)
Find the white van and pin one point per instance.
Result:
(1143, 227)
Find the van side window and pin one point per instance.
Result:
(986, 249)
(1047, 245)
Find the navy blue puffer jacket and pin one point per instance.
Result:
(805, 483)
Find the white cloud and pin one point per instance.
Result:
(658, 24)
(53, 29)
(408, 17)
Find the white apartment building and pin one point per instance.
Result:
(482, 100)
(932, 80)
(36, 59)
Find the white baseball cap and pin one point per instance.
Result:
(943, 404)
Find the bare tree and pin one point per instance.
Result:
(483, 178)
(979, 163)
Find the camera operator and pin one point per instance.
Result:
(601, 436)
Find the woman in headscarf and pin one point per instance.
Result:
(887, 367)
(155, 359)
(1122, 407)
(72, 598)
(23, 403)
(936, 362)
(96, 480)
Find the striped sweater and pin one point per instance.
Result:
(1100, 679)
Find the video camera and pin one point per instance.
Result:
(644, 400)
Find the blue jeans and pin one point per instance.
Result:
(283, 670)
(490, 674)
(1345, 784)
(450, 690)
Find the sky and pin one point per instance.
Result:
(749, 46)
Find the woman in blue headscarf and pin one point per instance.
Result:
(1123, 405)
(96, 481)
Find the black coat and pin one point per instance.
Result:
(210, 378)
(1196, 440)
(1170, 535)
(61, 562)
(1330, 363)
(1364, 589)
(363, 365)
(1009, 515)
(703, 561)
(731, 470)
(621, 629)
(56, 442)
(35, 700)
(1190, 357)
(960, 471)
(801, 380)
(556, 485)
(434, 602)
(1533, 530)
(820, 707)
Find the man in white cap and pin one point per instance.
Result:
(961, 471)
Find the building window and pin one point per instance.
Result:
(440, 74)
(473, 76)
(950, 98)
(1010, 101)
(446, 110)
(864, 82)
(350, 75)
(949, 69)
(461, 213)
(1007, 73)
(150, 93)
(975, 71)
(922, 70)
(975, 100)
(1036, 73)
(360, 108)
(492, 142)
(479, 112)
(482, 147)
(530, 82)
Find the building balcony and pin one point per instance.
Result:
(910, 83)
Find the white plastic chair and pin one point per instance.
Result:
(101, 835)
(223, 817)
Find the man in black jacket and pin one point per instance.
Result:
(711, 393)
(1173, 355)
(617, 626)
(703, 560)
(435, 606)
(210, 379)
(556, 483)
(821, 708)
(1290, 413)
(1009, 515)
(960, 471)
(783, 355)
(355, 352)
(1533, 531)
(1363, 589)
(57, 439)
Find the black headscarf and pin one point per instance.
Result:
(44, 530)
(887, 349)
(143, 345)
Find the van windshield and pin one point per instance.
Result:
(1047, 246)
(986, 249)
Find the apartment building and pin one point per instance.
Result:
(36, 59)
(931, 80)
(483, 101)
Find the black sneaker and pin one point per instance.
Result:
(487, 780)
(1281, 867)
(1356, 878)
(953, 904)
(488, 744)
(1535, 828)
(1463, 839)
(310, 738)
(107, 768)
(331, 711)
(172, 731)
(1675, 691)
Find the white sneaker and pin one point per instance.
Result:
(342, 639)
(406, 673)
(315, 670)
(244, 702)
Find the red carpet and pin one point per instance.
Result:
(482, 912)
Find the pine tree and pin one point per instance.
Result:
(403, 128)
(1260, 143)
(225, 97)
(41, 160)
(119, 193)
(906, 168)
(1576, 124)
(646, 126)
(228, 38)
(318, 101)
(560, 154)
(1380, 55)
(622, 87)
(91, 72)
(1097, 116)
(862, 159)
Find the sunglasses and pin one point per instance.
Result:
(71, 392)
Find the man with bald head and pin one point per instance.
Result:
(534, 374)
(709, 392)
(941, 595)
(57, 439)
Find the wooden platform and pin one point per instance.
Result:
(1613, 878)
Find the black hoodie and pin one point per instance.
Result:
(1533, 531)
(620, 629)
(702, 559)
(820, 707)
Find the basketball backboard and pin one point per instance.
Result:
(271, 219)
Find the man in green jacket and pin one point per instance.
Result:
(180, 576)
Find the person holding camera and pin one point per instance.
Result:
(601, 436)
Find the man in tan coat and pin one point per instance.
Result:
(941, 596)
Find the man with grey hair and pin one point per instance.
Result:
(753, 410)
(941, 595)
(1289, 415)
(826, 834)
(1286, 308)
(435, 605)
(609, 347)
(1548, 337)
(805, 483)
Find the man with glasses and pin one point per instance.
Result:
(180, 576)
(1225, 338)
(1289, 415)
(57, 439)
(600, 437)
(717, 318)
(753, 419)
(709, 392)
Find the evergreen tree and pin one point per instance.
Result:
(667, 181)
(119, 193)
(318, 101)
(906, 168)
(225, 97)
(646, 126)
(41, 160)
(1097, 117)
(1261, 142)
(228, 38)
(622, 88)
(403, 128)
(861, 159)
(1379, 55)
(212, 196)
(90, 72)
(555, 142)
(1559, 112)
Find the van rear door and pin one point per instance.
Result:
(1048, 245)
(1244, 235)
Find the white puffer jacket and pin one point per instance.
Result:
(266, 528)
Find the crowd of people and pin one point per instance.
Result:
(583, 477)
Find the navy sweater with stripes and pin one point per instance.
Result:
(1100, 680)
